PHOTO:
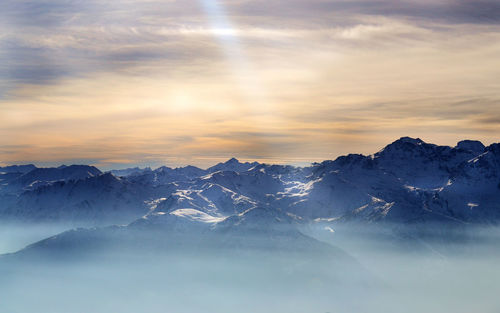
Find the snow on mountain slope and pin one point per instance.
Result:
(259, 220)
(6, 179)
(473, 193)
(420, 164)
(209, 198)
(186, 230)
(256, 185)
(95, 200)
(350, 186)
(328, 196)
(408, 181)
(42, 176)
(226, 201)
(409, 189)
(287, 174)
(393, 185)
(188, 221)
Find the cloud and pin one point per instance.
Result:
(160, 81)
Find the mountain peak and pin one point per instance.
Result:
(18, 168)
(415, 141)
(471, 145)
(232, 160)
(494, 148)
(232, 164)
(404, 144)
(108, 175)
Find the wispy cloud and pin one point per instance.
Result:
(153, 81)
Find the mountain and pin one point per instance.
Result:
(23, 169)
(130, 171)
(209, 198)
(94, 200)
(398, 184)
(474, 146)
(232, 165)
(188, 231)
(421, 164)
(472, 194)
(407, 182)
(43, 176)
(9, 174)
(165, 175)
(276, 230)
(72, 172)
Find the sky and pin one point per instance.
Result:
(144, 82)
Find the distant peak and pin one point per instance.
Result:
(416, 141)
(108, 176)
(232, 160)
(406, 144)
(495, 148)
(471, 145)
(163, 169)
(232, 164)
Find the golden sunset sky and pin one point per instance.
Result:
(138, 82)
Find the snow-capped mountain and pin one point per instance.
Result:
(72, 172)
(232, 165)
(191, 230)
(408, 181)
(37, 177)
(94, 200)
(406, 189)
(424, 165)
(473, 192)
(165, 175)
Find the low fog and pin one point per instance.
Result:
(370, 270)
(15, 236)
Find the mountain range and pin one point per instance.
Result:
(406, 182)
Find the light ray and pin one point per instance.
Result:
(245, 75)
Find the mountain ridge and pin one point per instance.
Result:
(408, 180)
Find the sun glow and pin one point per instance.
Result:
(159, 81)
